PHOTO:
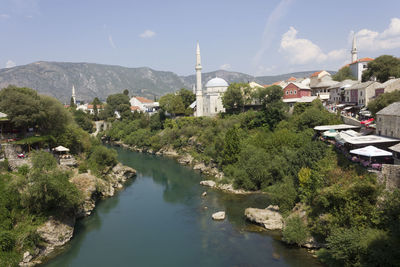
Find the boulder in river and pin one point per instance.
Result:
(220, 215)
(209, 183)
(270, 217)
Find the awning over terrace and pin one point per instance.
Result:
(371, 151)
(335, 127)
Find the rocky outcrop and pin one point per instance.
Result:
(225, 187)
(270, 217)
(57, 232)
(54, 233)
(218, 216)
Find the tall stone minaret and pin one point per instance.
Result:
(354, 50)
(73, 95)
(199, 90)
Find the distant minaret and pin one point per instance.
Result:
(354, 50)
(73, 95)
(199, 90)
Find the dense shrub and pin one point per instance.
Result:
(295, 231)
(50, 192)
(101, 159)
(42, 160)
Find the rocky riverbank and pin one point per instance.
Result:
(210, 170)
(56, 232)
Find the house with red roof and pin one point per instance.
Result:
(358, 66)
(143, 104)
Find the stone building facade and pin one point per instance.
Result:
(388, 121)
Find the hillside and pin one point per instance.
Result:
(91, 80)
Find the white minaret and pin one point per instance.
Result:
(73, 95)
(199, 90)
(354, 50)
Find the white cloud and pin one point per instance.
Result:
(147, 34)
(270, 28)
(368, 40)
(4, 16)
(225, 66)
(10, 64)
(110, 40)
(303, 51)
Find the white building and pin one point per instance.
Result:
(143, 104)
(208, 103)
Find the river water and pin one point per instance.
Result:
(160, 219)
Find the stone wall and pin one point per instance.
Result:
(350, 121)
(390, 176)
(388, 125)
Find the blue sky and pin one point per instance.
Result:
(257, 37)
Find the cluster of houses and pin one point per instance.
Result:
(321, 85)
(138, 104)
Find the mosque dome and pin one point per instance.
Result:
(217, 82)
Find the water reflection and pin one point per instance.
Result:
(161, 219)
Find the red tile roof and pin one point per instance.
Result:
(292, 79)
(91, 106)
(315, 74)
(133, 108)
(143, 100)
(364, 59)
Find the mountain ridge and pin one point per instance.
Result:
(100, 80)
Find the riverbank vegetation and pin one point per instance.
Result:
(276, 152)
(32, 193)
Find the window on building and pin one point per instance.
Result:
(360, 93)
(287, 92)
(291, 92)
(295, 92)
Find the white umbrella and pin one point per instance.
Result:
(61, 149)
(371, 151)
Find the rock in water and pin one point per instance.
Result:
(269, 217)
(209, 183)
(204, 194)
(220, 215)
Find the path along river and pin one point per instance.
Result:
(160, 219)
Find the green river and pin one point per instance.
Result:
(160, 219)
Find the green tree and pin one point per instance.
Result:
(72, 103)
(172, 104)
(101, 159)
(116, 102)
(230, 153)
(382, 68)
(126, 92)
(22, 106)
(383, 101)
(27, 109)
(295, 231)
(43, 161)
(233, 99)
(187, 96)
(343, 74)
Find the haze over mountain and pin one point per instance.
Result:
(96, 80)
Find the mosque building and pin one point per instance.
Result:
(208, 101)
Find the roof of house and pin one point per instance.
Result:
(92, 106)
(392, 109)
(143, 99)
(292, 79)
(363, 85)
(3, 115)
(345, 83)
(315, 74)
(301, 86)
(364, 59)
(395, 148)
(327, 83)
(389, 82)
(133, 108)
